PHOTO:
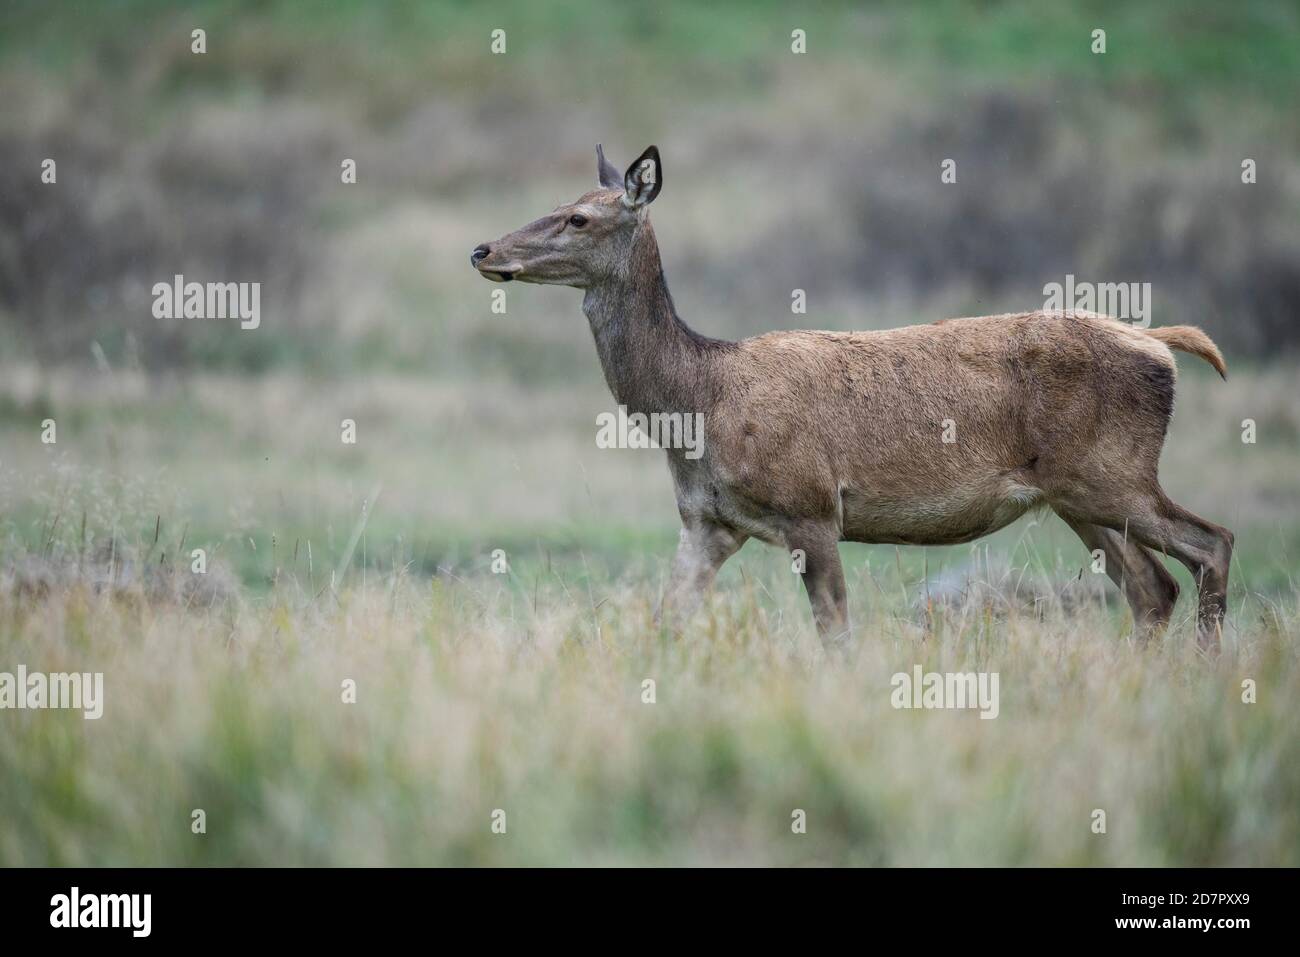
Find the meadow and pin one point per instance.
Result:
(356, 679)
(529, 696)
(524, 691)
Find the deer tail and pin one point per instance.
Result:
(1193, 340)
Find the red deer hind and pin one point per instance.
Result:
(812, 438)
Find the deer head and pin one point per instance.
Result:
(584, 242)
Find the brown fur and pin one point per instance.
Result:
(1193, 340)
(817, 437)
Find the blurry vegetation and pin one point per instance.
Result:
(823, 167)
(817, 172)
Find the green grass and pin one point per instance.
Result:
(1190, 47)
(253, 470)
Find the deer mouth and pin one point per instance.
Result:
(497, 275)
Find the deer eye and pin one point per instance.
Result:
(577, 221)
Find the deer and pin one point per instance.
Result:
(928, 434)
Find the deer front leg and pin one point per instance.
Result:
(702, 548)
(823, 578)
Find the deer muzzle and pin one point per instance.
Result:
(482, 260)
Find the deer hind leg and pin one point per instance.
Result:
(1160, 524)
(1206, 550)
(702, 548)
(1146, 583)
(823, 579)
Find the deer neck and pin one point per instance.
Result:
(652, 361)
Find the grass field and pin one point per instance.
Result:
(526, 694)
(523, 691)
(528, 697)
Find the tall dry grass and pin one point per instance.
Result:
(525, 693)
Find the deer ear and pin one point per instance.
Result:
(643, 179)
(606, 172)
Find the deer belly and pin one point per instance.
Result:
(935, 517)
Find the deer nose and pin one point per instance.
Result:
(479, 254)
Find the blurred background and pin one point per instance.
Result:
(817, 171)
